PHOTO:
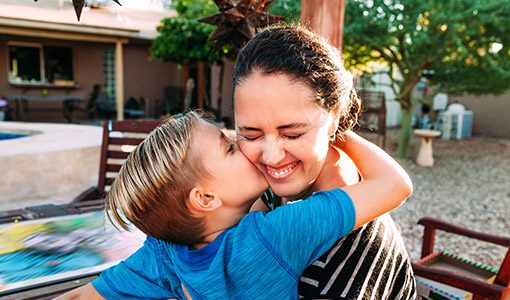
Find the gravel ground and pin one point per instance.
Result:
(469, 185)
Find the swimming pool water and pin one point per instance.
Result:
(8, 136)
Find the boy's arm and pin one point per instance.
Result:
(385, 183)
(85, 292)
(88, 292)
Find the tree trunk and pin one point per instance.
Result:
(406, 131)
(200, 85)
(326, 18)
(220, 92)
(182, 106)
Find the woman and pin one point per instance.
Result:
(292, 98)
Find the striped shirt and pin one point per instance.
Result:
(369, 263)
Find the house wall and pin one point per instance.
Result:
(227, 113)
(146, 77)
(490, 114)
(142, 77)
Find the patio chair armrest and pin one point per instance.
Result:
(84, 206)
(91, 193)
(431, 223)
(461, 281)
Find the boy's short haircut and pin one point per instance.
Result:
(154, 182)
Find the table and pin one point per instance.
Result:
(425, 157)
(21, 102)
(59, 249)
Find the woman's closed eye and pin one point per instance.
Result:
(230, 148)
(287, 136)
(292, 136)
(250, 138)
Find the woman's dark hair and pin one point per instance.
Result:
(297, 52)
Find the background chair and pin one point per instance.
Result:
(373, 116)
(173, 102)
(119, 139)
(132, 108)
(435, 266)
(92, 105)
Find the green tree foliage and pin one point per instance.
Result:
(194, 9)
(183, 40)
(461, 46)
(290, 9)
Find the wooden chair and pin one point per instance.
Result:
(92, 104)
(373, 116)
(481, 289)
(119, 138)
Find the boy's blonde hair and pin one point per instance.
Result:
(154, 182)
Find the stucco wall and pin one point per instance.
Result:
(146, 77)
(143, 77)
(491, 114)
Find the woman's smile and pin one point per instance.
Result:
(281, 172)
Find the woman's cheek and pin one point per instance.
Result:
(249, 149)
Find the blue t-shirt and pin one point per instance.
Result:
(262, 257)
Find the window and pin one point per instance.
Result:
(110, 82)
(40, 64)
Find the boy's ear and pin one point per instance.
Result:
(202, 201)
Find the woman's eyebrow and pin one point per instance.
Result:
(292, 126)
(246, 128)
(287, 126)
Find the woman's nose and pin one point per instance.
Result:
(273, 152)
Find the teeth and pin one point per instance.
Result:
(282, 173)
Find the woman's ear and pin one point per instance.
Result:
(333, 127)
(204, 202)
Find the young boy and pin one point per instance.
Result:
(189, 188)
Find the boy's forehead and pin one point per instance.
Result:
(210, 129)
(208, 141)
(205, 132)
